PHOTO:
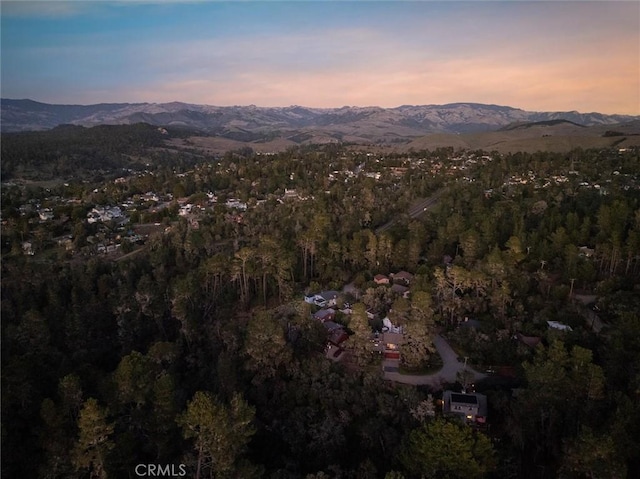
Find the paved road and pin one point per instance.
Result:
(448, 374)
(420, 206)
(416, 209)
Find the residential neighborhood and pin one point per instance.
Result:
(350, 296)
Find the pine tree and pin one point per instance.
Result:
(221, 433)
(94, 443)
(444, 449)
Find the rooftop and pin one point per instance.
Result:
(464, 398)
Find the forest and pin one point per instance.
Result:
(196, 350)
(76, 151)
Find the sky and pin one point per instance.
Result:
(534, 55)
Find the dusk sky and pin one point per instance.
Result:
(539, 56)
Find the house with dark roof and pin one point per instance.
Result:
(324, 315)
(331, 326)
(338, 336)
(336, 333)
(530, 341)
(400, 290)
(331, 297)
(403, 277)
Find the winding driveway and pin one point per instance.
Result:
(448, 374)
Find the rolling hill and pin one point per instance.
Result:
(548, 135)
(248, 122)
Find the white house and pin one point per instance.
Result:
(469, 407)
(560, 326)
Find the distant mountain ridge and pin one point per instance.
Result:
(516, 126)
(251, 123)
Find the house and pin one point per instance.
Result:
(387, 326)
(331, 326)
(336, 333)
(400, 290)
(151, 196)
(325, 315)
(93, 217)
(392, 343)
(381, 279)
(27, 248)
(403, 277)
(323, 299)
(112, 213)
(471, 408)
(65, 241)
(45, 214)
(185, 209)
(337, 336)
(331, 297)
(235, 203)
(560, 326)
(531, 341)
(316, 300)
(106, 213)
(290, 194)
(586, 252)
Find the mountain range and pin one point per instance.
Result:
(295, 123)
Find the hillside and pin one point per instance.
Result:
(553, 135)
(295, 123)
(75, 151)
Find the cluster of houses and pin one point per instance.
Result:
(433, 165)
(336, 333)
(188, 209)
(398, 282)
(470, 408)
(106, 213)
(387, 343)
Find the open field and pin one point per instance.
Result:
(531, 138)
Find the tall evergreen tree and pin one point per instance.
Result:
(94, 440)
